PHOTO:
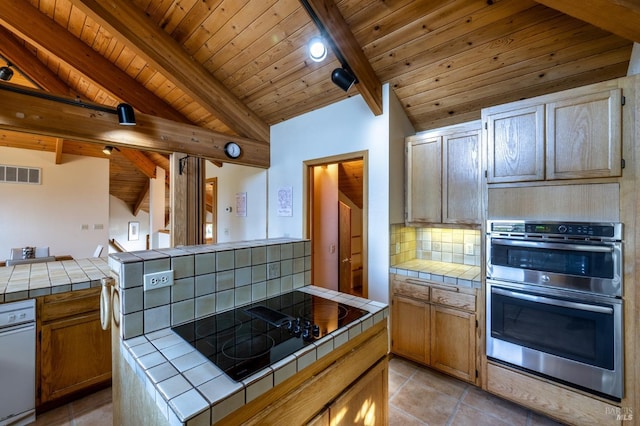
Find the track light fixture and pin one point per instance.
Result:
(126, 116)
(343, 78)
(108, 149)
(6, 73)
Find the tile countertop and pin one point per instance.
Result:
(28, 281)
(442, 272)
(189, 389)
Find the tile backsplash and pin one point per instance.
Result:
(430, 243)
(207, 279)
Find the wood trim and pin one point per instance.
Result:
(302, 396)
(125, 21)
(59, 147)
(554, 400)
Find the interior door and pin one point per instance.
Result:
(344, 232)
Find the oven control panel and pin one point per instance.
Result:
(576, 229)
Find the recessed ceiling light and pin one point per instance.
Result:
(317, 49)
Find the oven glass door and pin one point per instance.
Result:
(577, 259)
(572, 330)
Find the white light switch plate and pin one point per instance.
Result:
(468, 249)
(158, 280)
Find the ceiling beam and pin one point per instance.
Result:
(29, 65)
(133, 28)
(28, 112)
(141, 161)
(337, 29)
(620, 17)
(144, 194)
(31, 25)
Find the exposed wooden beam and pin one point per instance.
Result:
(620, 17)
(144, 194)
(29, 113)
(29, 24)
(141, 161)
(368, 84)
(28, 64)
(59, 145)
(124, 20)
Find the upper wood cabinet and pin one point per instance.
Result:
(516, 144)
(444, 175)
(563, 138)
(584, 136)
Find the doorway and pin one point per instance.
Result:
(211, 211)
(336, 205)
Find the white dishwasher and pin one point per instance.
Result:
(18, 363)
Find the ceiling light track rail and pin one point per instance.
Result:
(123, 111)
(345, 77)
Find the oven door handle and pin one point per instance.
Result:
(556, 246)
(555, 302)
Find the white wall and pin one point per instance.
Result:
(233, 179)
(72, 194)
(343, 127)
(119, 217)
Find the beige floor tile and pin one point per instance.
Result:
(425, 403)
(402, 366)
(440, 382)
(400, 418)
(395, 381)
(467, 415)
(507, 411)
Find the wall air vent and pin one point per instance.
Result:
(17, 174)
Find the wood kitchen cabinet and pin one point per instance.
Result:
(571, 135)
(435, 326)
(443, 180)
(74, 353)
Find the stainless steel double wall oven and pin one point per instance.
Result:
(554, 301)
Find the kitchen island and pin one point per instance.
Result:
(160, 378)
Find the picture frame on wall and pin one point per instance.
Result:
(134, 231)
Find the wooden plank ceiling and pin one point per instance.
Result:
(238, 66)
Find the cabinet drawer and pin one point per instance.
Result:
(68, 304)
(453, 299)
(407, 289)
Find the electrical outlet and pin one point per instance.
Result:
(468, 249)
(158, 280)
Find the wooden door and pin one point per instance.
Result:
(453, 345)
(461, 183)
(515, 142)
(410, 328)
(75, 353)
(211, 211)
(344, 259)
(424, 179)
(584, 136)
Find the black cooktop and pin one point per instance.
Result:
(249, 338)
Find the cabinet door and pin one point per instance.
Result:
(453, 342)
(410, 328)
(584, 138)
(75, 353)
(515, 142)
(365, 402)
(461, 178)
(424, 180)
